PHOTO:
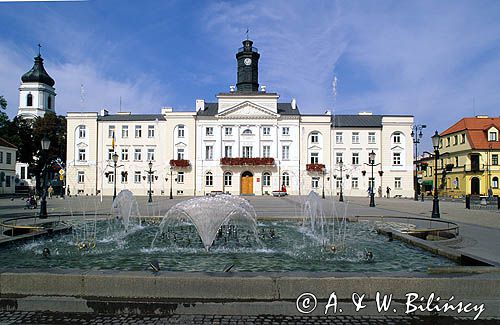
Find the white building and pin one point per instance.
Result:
(247, 142)
(7, 167)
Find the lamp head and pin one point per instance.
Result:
(45, 143)
(435, 140)
(372, 156)
(115, 157)
(150, 164)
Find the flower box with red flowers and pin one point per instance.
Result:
(226, 161)
(315, 167)
(179, 163)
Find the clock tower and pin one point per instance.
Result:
(248, 67)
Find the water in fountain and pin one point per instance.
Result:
(125, 208)
(211, 217)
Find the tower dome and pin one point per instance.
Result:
(38, 73)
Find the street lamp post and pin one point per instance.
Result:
(341, 198)
(171, 181)
(43, 204)
(372, 164)
(435, 200)
(150, 175)
(115, 161)
(416, 134)
(323, 194)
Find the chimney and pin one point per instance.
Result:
(165, 110)
(200, 105)
(328, 112)
(263, 88)
(232, 88)
(481, 116)
(365, 113)
(104, 112)
(294, 103)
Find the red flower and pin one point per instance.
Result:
(179, 163)
(247, 161)
(315, 167)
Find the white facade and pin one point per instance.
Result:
(7, 167)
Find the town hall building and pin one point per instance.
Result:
(246, 142)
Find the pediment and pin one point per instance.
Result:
(82, 145)
(397, 148)
(180, 145)
(247, 110)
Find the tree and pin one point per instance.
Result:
(3, 116)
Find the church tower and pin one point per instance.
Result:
(36, 93)
(248, 67)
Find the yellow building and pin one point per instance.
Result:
(468, 162)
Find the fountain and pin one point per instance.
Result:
(208, 214)
(125, 208)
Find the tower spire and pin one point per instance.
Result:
(39, 49)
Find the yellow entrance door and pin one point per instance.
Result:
(247, 185)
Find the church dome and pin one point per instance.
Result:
(38, 73)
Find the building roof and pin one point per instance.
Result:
(361, 121)
(131, 117)
(38, 73)
(211, 109)
(476, 129)
(5, 143)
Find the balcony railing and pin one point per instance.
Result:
(226, 161)
(179, 163)
(318, 168)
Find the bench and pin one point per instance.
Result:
(214, 193)
(279, 193)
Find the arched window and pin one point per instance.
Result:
(266, 179)
(494, 182)
(285, 179)
(209, 179)
(49, 102)
(228, 179)
(247, 132)
(29, 100)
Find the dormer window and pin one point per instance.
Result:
(492, 136)
(29, 100)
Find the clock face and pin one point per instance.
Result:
(247, 61)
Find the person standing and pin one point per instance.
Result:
(50, 191)
(388, 191)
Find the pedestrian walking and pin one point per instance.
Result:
(50, 191)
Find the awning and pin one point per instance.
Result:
(427, 182)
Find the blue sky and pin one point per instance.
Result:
(432, 59)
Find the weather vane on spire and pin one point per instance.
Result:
(39, 47)
(247, 33)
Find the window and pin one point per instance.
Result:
(355, 158)
(371, 137)
(494, 182)
(110, 154)
(138, 131)
(396, 158)
(137, 177)
(266, 130)
(338, 183)
(247, 152)
(355, 137)
(354, 182)
(397, 182)
(81, 154)
(492, 136)
(339, 157)
(315, 137)
(462, 140)
(209, 179)
(247, 132)
(209, 152)
(49, 102)
(81, 177)
(209, 131)
(314, 158)
(371, 183)
(228, 179)
(456, 183)
(456, 161)
(285, 131)
(111, 177)
(285, 152)
(124, 131)
(124, 177)
(1, 157)
(315, 182)
(82, 131)
(180, 153)
(266, 179)
(285, 179)
(494, 159)
(151, 154)
(455, 140)
(124, 154)
(8, 158)
(228, 131)
(338, 137)
(111, 131)
(29, 100)
(180, 178)
(396, 137)
(448, 141)
(151, 131)
(180, 131)
(266, 151)
(137, 154)
(228, 151)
